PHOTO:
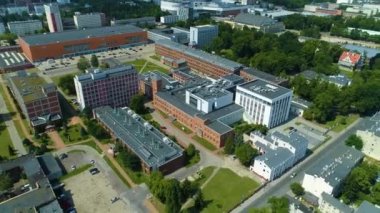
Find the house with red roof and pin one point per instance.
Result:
(350, 60)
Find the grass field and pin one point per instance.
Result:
(337, 125)
(182, 127)
(204, 143)
(160, 207)
(225, 190)
(137, 177)
(205, 174)
(155, 57)
(139, 64)
(73, 134)
(116, 171)
(92, 144)
(5, 141)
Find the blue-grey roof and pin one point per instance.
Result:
(300, 102)
(367, 207)
(332, 201)
(12, 59)
(233, 78)
(52, 207)
(148, 143)
(255, 20)
(340, 79)
(69, 35)
(265, 88)
(201, 55)
(335, 168)
(293, 138)
(49, 164)
(264, 76)
(107, 73)
(273, 158)
(371, 52)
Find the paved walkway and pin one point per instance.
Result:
(57, 140)
(10, 127)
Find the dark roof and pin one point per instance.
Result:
(233, 78)
(367, 207)
(49, 164)
(11, 59)
(340, 79)
(335, 168)
(265, 88)
(201, 55)
(273, 158)
(332, 201)
(69, 35)
(255, 20)
(148, 143)
(370, 52)
(263, 75)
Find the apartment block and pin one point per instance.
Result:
(21, 28)
(89, 20)
(37, 99)
(264, 103)
(203, 35)
(113, 87)
(53, 17)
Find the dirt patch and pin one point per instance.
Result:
(57, 140)
(74, 120)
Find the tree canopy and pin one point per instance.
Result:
(297, 189)
(137, 104)
(94, 61)
(83, 64)
(67, 84)
(5, 181)
(245, 153)
(355, 141)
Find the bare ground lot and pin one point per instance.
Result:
(93, 193)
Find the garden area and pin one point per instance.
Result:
(142, 66)
(5, 142)
(72, 134)
(208, 145)
(341, 122)
(182, 127)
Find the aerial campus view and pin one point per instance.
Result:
(170, 106)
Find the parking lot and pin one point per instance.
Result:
(93, 193)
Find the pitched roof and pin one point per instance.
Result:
(350, 57)
(367, 207)
(332, 201)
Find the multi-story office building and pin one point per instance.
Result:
(21, 28)
(78, 42)
(279, 153)
(264, 103)
(203, 106)
(168, 19)
(89, 20)
(149, 20)
(37, 99)
(156, 151)
(328, 175)
(114, 87)
(198, 60)
(202, 35)
(261, 23)
(15, 9)
(53, 17)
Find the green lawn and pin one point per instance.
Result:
(5, 141)
(72, 134)
(182, 127)
(155, 57)
(205, 174)
(76, 172)
(137, 177)
(227, 189)
(204, 143)
(337, 125)
(349, 74)
(92, 144)
(139, 65)
(160, 207)
(116, 171)
(163, 114)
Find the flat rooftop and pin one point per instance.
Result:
(201, 55)
(12, 59)
(99, 74)
(335, 168)
(30, 86)
(255, 20)
(265, 88)
(148, 143)
(49, 38)
(263, 75)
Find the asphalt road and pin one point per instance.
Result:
(281, 185)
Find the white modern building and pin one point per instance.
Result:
(330, 172)
(279, 152)
(53, 17)
(21, 28)
(169, 19)
(264, 103)
(330, 204)
(203, 35)
(89, 20)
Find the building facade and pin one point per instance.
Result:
(156, 151)
(53, 17)
(330, 204)
(89, 20)
(114, 87)
(203, 35)
(37, 100)
(264, 103)
(168, 19)
(21, 28)
(198, 60)
(78, 42)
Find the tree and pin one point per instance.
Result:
(11, 151)
(297, 189)
(137, 104)
(172, 194)
(198, 201)
(229, 146)
(188, 189)
(190, 151)
(355, 141)
(94, 61)
(157, 185)
(83, 64)
(87, 112)
(83, 132)
(279, 204)
(5, 181)
(130, 160)
(67, 84)
(245, 153)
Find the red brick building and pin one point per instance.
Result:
(77, 42)
(198, 60)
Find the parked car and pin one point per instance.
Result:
(92, 162)
(62, 156)
(73, 167)
(293, 175)
(94, 171)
